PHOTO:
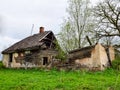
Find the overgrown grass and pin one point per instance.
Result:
(116, 63)
(36, 79)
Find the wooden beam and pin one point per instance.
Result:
(88, 39)
(108, 55)
(51, 42)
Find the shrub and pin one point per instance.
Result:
(61, 54)
(1, 65)
(116, 63)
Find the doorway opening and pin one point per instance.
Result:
(10, 57)
(45, 60)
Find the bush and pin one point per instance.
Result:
(116, 63)
(61, 54)
(1, 64)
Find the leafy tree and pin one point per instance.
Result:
(77, 25)
(66, 37)
(61, 54)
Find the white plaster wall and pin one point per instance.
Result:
(96, 56)
(103, 58)
(5, 59)
(99, 57)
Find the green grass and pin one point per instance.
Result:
(36, 79)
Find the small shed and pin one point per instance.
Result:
(38, 50)
(94, 57)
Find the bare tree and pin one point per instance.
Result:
(107, 14)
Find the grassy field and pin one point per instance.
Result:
(36, 79)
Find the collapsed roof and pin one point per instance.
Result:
(32, 42)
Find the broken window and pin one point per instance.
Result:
(27, 52)
(20, 54)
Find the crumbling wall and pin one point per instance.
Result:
(85, 62)
(97, 60)
(50, 54)
(103, 58)
(112, 53)
(14, 63)
(33, 59)
(95, 57)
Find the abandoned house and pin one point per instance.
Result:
(94, 57)
(37, 50)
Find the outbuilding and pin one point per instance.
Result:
(96, 57)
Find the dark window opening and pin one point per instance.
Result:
(47, 43)
(45, 60)
(10, 57)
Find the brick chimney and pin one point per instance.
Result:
(41, 30)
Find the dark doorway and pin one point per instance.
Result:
(45, 60)
(10, 57)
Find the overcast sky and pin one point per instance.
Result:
(17, 17)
